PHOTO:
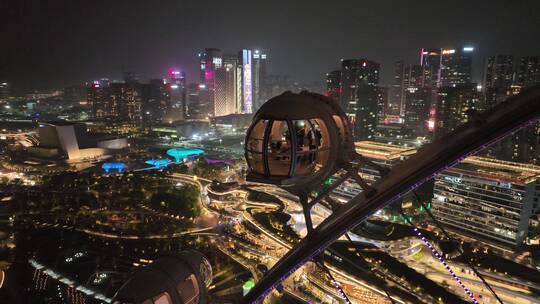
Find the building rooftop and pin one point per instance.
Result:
(489, 168)
(500, 169)
(382, 151)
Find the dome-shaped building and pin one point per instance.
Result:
(297, 140)
(174, 279)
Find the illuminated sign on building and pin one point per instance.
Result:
(246, 81)
(446, 52)
(468, 49)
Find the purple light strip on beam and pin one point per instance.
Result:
(439, 256)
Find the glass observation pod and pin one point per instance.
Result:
(296, 140)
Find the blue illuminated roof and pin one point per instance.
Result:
(114, 166)
(158, 162)
(180, 153)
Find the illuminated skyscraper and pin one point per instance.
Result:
(259, 62)
(126, 102)
(499, 72)
(196, 102)
(413, 77)
(498, 79)
(177, 92)
(528, 71)
(247, 80)
(225, 97)
(210, 59)
(382, 102)
(333, 84)
(430, 60)
(452, 107)
(359, 80)
(99, 99)
(156, 100)
(395, 92)
(456, 65)
(417, 109)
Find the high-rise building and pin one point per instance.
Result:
(359, 80)
(413, 77)
(395, 92)
(333, 84)
(126, 102)
(453, 104)
(499, 71)
(98, 97)
(528, 71)
(522, 146)
(498, 79)
(430, 60)
(156, 101)
(210, 59)
(456, 66)
(417, 109)
(488, 199)
(196, 106)
(245, 58)
(258, 70)
(177, 93)
(226, 99)
(382, 103)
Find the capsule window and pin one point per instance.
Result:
(312, 146)
(254, 146)
(279, 149)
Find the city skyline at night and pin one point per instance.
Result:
(269, 152)
(103, 39)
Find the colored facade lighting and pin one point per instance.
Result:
(119, 167)
(179, 154)
(246, 85)
(158, 163)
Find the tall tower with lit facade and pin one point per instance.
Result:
(259, 63)
(126, 102)
(333, 85)
(359, 80)
(430, 60)
(98, 96)
(226, 97)
(456, 66)
(177, 93)
(245, 57)
(499, 71)
(210, 60)
(528, 71)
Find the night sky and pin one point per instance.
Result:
(49, 43)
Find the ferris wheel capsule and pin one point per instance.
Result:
(297, 140)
